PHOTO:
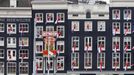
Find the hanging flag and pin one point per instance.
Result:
(133, 48)
(128, 15)
(57, 20)
(87, 46)
(23, 56)
(101, 63)
(74, 27)
(10, 28)
(116, 63)
(115, 30)
(126, 31)
(116, 47)
(100, 48)
(116, 15)
(126, 47)
(74, 47)
(126, 65)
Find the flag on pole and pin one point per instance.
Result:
(101, 63)
(100, 48)
(128, 15)
(126, 31)
(10, 28)
(126, 65)
(116, 47)
(116, 63)
(133, 48)
(36, 67)
(115, 30)
(57, 19)
(74, 47)
(117, 15)
(126, 47)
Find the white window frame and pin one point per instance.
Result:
(61, 29)
(24, 65)
(2, 53)
(2, 68)
(127, 40)
(2, 41)
(61, 61)
(88, 26)
(39, 60)
(39, 43)
(12, 57)
(128, 26)
(101, 26)
(126, 15)
(22, 52)
(60, 16)
(23, 27)
(60, 43)
(2, 27)
(39, 31)
(128, 59)
(75, 26)
(40, 21)
(12, 67)
(49, 28)
(116, 25)
(115, 39)
(117, 56)
(86, 43)
(100, 39)
(11, 30)
(87, 57)
(51, 15)
(100, 57)
(75, 39)
(25, 41)
(75, 58)
(12, 43)
(50, 61)
(114, 16)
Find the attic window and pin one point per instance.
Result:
(75, 15)
(88, 15)
(101, 15)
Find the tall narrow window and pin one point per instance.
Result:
(100, 60)
(1, 41)
(127, 61)
(11, 42)
(61, 31)
(39, 31)
(39, 17)
(87, 60)
(2, 27)
(127, 14)
(88, 43)
(39, 63)
(23, 68)
(39, 47)
(23, 27)
(75, 26)
(49, 17)
(127, 44)
(115, 60)
(116, 44)
(50, 65)
(116, 28)
(11, 68)
(88, 26)
(60, 63)
(101, 26)
(24, 41)
(11, 55)
(11, 28)
(75, 60)
(127, 28)
(2, 68)
(60, 17)
(60, 46)
(75, 43)
(1, 53)
(49, 28)
(50, 45)
(116, 14)
(101, 43)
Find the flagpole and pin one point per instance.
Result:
(48, 56)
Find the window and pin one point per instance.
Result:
(101, 43)
(60, 63)
(39, 47)
(23, 27)
(87, 60)
(127, 61)
(75, 60)
(101, 26)
(52, 43)
(1, 41)
(39, 31)
(116, 28)
(127, 14)
(61, 32)
(127, 28)
(87, 43)
(39, 17)
(116, 14)
(127, 44)
(11, 42)
(11, 68)
(116, 60)
(2, 68)
(49, 17)
(88, 15)
(60, 46)
(39, 63)
(11, 55)
(23, 54)
(88, 26)
(23, 41)
(23, 67)
(49, 28)
(116, 44)
(60, 17)
(75, 43)
(101, 60)
(75, 26)
(1, 27)
(11, 28)
(49, 65)
(1, 53)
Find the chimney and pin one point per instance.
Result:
(13, 3)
